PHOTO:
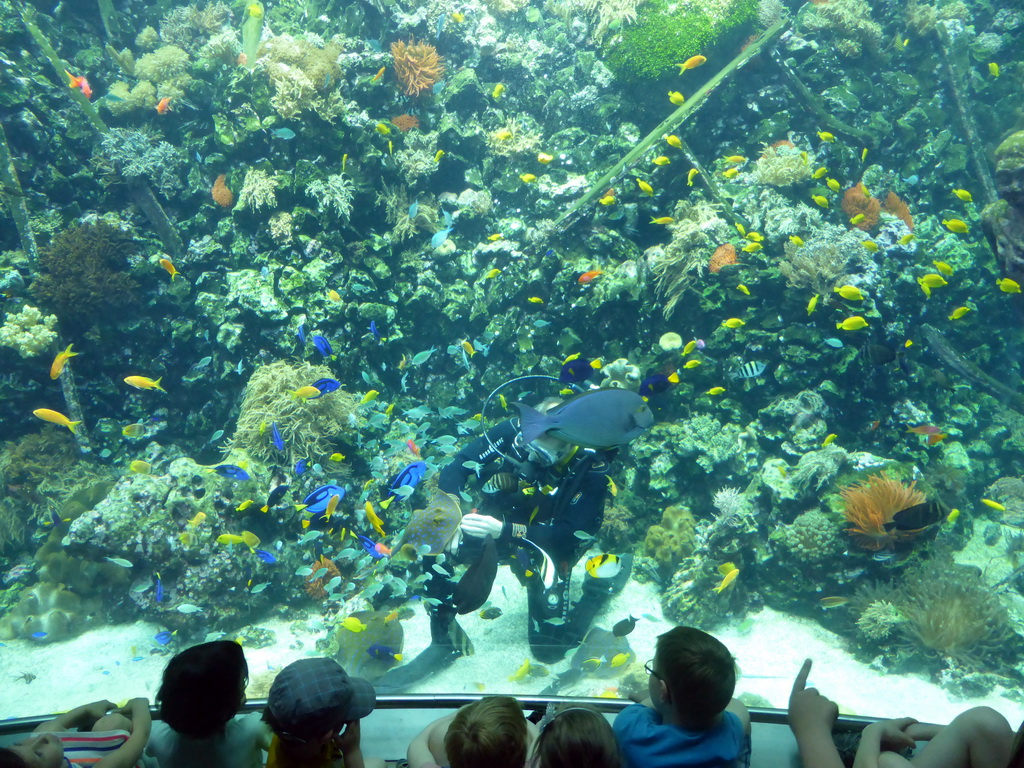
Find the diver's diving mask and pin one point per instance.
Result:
(546, 451)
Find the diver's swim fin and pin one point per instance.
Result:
(433, 659)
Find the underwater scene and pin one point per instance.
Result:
(475, 343)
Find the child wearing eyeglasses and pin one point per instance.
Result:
(689, 717)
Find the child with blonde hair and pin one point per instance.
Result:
(490, 732)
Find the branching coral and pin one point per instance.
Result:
(781, 165)
(336, 191)
(850, 24)
(84, 276)
(417, 65)
(870, 504)
(259, 189)
(307, 427)
(696, 231)
(137, 153)
(304, 73)
(417, 157)
(822, 261)
(29, 331)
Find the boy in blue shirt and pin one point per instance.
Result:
(689, 717)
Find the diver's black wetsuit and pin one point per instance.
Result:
(548, 506)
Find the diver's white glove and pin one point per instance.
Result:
(479, 526)
(453, 545)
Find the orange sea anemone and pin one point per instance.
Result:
(405, 122)
(870, 504)
(417, 65)
(223, 196)
(856, 200)
(317, 588)
(899, 209)
(723, 256)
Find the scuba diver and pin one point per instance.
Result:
(544, 476)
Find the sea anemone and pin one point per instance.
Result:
(871, 504)
(223, 196)
(317, 588)
(417, 65)
(723, 256)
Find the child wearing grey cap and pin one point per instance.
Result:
(314, 709)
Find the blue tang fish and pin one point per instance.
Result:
(163, 638)
(159, 589)
(371, 547)
(325, 386)
(275, 436)
(318, 500)
(410, 476)
(300, 466)
(265, 556)
(323, 346)
(231, 470)
(373, 330)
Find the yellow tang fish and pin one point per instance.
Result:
(832, 184)
(527, 178)
(55, 417)
(333, 295)
(829, 439)
(369, 397)
(336, 457)
(743, 289)
(438, 155)
(733, 322)
(612, 487)
(492, 273)
(619, 659)
(854, 323)
(952, 516)
(140, 466)
(727, 578)
(661, 160)
(352, 624)
(820, 200)
(757, 237)
(735, 159)
(691, 63)
(959, 312)
(691, 176)
(864, 154)
(964, 195)
(850, 292)
(752, 247)
(731, 173)
(715, 391)
(535, 300)
(468, 348)
(382, 129)
(495, 237)
(870, 245)
(1006, 285)
(250, 539)
(676, 98)
(646, 188)
(826, 137)
(906, 239)
(690, 346)
(855, 220)
(819, 172)
(244, 505)
(812, 304)
(498, 90)
(943, 267)
(544, 158)
(691, 364)
(503, 135)
(797, 241)
(994, 505)
(993, 69)
(304, 393)
(674, 141)
(956, 225)
(933, 280)
(144, 382)
(521, 673)
(60, 361)
(607, 200)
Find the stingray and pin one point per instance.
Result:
(429, 530)
(371, 652)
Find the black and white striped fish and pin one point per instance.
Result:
(750, 370)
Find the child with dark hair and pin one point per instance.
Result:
(689, 717)
(202, 690)
(490, 732)
(98, 735)
(314, 709)
(573, 737)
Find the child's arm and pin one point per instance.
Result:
(737, 708)
(421, 751)
(811, 717)
(129, 753)
(886, 735)
(348, 742)
(81, 718)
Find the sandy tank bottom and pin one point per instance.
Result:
(769, 650)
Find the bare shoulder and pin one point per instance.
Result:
(739, 709)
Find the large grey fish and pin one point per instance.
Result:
(599, 418)
(475, 585)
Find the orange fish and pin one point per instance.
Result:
(938, 437)
(169, 266)
(378, 76)
(413, 447)
(164, 105)
(60, 361)
(586, 277)
(874, 425)
(691, 63)
(80, 83)
(55, 417)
